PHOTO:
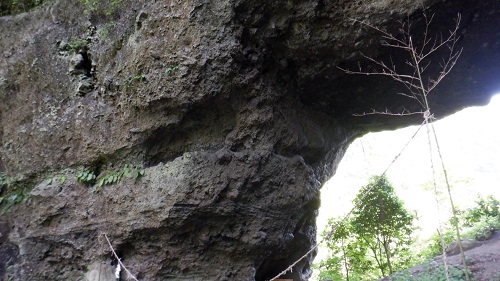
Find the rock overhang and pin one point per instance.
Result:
(243, 98)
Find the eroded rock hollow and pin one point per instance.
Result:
(234, 111)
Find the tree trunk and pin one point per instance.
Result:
(388, 255)
(346, 266)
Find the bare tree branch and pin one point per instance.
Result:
(418, 61)
(405, 112)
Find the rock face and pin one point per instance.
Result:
(235, 110)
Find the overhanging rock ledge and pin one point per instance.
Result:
(236, 110)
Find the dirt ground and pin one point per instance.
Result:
(483, 260)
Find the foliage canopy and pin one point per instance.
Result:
(374, 241)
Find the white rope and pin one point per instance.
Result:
(440, 231)
(129, 274)
(453, 209)
(332, 232)
(415, 84)
(428, 119)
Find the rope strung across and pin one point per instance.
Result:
(332, 232)
(418, 90)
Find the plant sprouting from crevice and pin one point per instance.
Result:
(78, 45)
(108, 6)
(12, 191)
(171, 69)
(86, 176)
(137, 77)
(113, 177)
(12, 7)
(60, 179)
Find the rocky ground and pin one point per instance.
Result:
(483, 259)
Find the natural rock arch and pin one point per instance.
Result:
(235, 108)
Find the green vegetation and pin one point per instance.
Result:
(104, 30)
(139, 76)
(432, 273)
(108, 6)
(110, 177)
(488, 207)
(78, 45)
(4, 180)
(86, 176)
(348, 255)
(483, 229)
(375, 241)
(60, 179)
(12, 7)
(383, 222)
(11, 192)
(130, 80)
(433, 245)
(476, 223)
(15, 191)
(170, 70)
(113, 177)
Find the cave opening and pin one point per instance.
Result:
(470, 144)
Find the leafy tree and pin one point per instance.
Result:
(382, 221)
(374, 241)
(348, 255)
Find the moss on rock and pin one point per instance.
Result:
(12, 7)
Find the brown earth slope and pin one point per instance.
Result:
(483, 260)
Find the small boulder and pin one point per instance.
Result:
(467, 244)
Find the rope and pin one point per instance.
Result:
(453, 209)
(419, 92)
(129, 274)
(332, 232)
(427, 116)
(428, 119)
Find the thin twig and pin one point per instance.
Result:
(405, 112)
(414, 83)
(418, 61)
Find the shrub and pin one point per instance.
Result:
(483, 229)
(485, 207)
(433, 273)
(433, 246)
(476, 223)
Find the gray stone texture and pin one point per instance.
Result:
(236, 109)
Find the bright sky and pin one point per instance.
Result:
(470, 145)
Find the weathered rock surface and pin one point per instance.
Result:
(236, 109)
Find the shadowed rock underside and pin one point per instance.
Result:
(236, 110)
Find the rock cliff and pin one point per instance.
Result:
(234, 111)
